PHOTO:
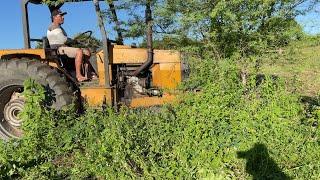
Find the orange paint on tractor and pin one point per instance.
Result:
(166, 73)
(136, 77)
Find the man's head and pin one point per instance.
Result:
(57, 16)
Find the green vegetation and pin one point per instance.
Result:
(228, 129)
(255, 113)
(298, 63)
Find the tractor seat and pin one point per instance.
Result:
(50, 52)
(45, 43)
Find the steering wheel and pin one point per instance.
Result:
(86, 36)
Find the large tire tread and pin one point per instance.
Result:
(41, 73)
(16, 71)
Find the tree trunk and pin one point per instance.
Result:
(116, 21)
(149, 24)
(105, 43)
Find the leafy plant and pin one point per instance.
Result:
(199, 137)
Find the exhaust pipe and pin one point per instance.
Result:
(149, 23)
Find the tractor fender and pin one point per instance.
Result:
(20, 56)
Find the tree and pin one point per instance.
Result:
(114, 17)
(234, 25)
(226, 27)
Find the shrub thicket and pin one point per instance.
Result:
(225, 130)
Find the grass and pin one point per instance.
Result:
(224, 131)
(299, 64)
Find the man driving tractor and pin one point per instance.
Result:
(58, 39)
(135, 77)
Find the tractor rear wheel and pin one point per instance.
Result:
(12, 75)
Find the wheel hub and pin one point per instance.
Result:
(12, 104)
(11, 111)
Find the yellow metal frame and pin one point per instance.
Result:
(166, 73)
(96, 96)
(152, 101)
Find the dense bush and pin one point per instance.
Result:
(226, 130)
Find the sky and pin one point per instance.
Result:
(80, 18)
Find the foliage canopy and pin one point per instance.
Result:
(228, 27)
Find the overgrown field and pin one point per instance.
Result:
(298, 63)
(260, 129)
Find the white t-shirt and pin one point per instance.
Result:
(56, 35)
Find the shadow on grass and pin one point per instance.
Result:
(262, 77)
(311, 104)
(310, 101)
(260, 165)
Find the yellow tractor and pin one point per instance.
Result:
(135, 77)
